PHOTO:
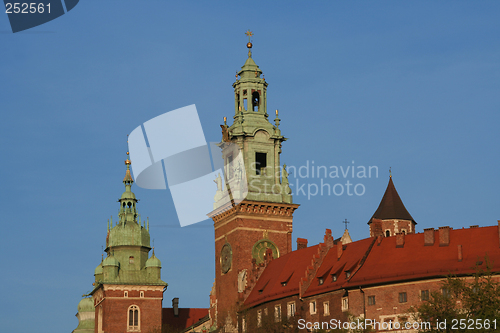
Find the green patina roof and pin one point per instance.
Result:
(110, 261)
(98, 269)
(86, 305)
(153, 262)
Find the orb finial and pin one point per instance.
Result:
(390, 172)
(249, 44)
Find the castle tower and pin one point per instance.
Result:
(262, 222)
(391, 216)
(128, 290)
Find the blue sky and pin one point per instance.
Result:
(408, 85)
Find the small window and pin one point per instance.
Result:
(243, 325)
(142, 294)
(312, 307)
(371, 300)
(125, 294)
(130, 260)
(326, 308)
(265, 312)
(402, 297)
(320, 281)
(387, 233)
(424, 295)
(345, 304)
(260, 163)
(259, 318)
(277, 313)
(347, 274)
(291, 309)
(133, 319)
(403, 231)
(446, 292)
(334, 277)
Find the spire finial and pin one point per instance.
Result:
(277, 120)
(390, 172)
(249, 44)
(225, 120)
(345, 222)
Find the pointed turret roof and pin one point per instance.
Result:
(391, 206)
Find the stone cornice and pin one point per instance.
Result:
(254, 208)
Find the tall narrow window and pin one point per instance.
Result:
(402, 297)
(259, 318)
(371, 300)
(133, 319)
(424, 295)
(260, 163)
(387, 233)
(277, 313)
(291, 309)
(312, 307)
(326, 308)
(255, 101)
(345, 304)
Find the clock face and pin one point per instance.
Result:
(226, 255)
(259, 250)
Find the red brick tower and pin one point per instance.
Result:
(262, 221)
(391, 216)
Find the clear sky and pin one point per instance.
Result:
(408, 85)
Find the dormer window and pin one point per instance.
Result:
(334, 277)
(320, 281)
(347, 274)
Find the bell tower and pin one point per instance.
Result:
(261, 221)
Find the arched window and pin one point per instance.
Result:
(134, 320)
(387, 233)
(255, 101)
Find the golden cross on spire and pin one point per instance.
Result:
(249, 34)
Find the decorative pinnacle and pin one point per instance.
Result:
(249, 44)
(127, 161)
(390, 172)
(225, 119)
(277, 120)
(345, 222)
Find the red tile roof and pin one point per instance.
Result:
(351, 257)
(289, 268)
(391, 206)
(386, 263)
(371, 262)
(187, 317)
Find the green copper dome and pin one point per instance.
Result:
(98, 269)
(110, 261)
(86, 305)
(153, 262)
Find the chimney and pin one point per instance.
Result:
(328, 239)
(460, 256)
(444, 236)
(175, 306)
(474, 226)
(400, 239)
(429, 237)
(340, 249)
(379, 239)
(301, 243)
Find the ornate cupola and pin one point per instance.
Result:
(391, 216)
(258, 139)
